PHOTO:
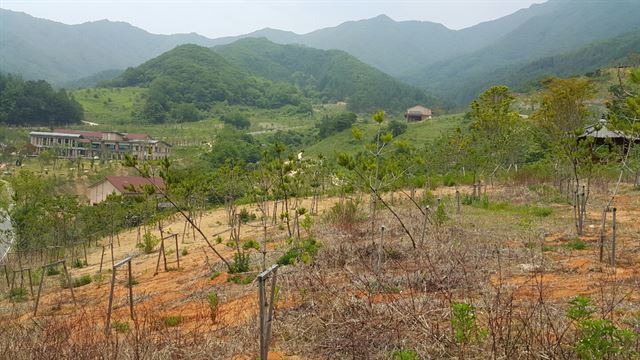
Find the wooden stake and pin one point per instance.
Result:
(613, 238)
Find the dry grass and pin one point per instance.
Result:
(511, 266)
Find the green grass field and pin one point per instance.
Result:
(417, 134)
(110, 106)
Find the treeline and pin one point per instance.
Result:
(185, 82)
(36, 103)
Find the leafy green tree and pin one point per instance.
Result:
(236, 119)
(375, 170)
(36, 103)
(496, 129)
(563, 115)
(331, 124)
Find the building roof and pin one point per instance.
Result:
(132, 136)
(99, 135)
(600, 131)
(124, 184)
(59, 134)
(419, 110)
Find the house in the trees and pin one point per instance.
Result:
(73, 144)
(418, 113)
(122, 185)
(603, 135)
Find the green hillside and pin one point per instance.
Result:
(417, 134)
(567, 26)
(188, 80)
(111, 106)
(59, 53)
(326, 75)
(622, 50)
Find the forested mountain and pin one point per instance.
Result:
(35, 103)
(567, 26)
(42, 49)
(327, 75)
(191, 78)
(619, 51)
(451, 64)
(393, 47)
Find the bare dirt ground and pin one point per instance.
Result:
(544, 263)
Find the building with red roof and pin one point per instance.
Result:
(122, 185)
(111, 145)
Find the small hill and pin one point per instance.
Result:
(192, 78)
(327, 75)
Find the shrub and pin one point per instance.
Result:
(240, 263)
(576, 244)
(184, 252)
(149, 242)
(427, 199)
(464, 323)
(171, 321)
(599, 338)
(132, 282)
(77, 282)
(405, 355)
(78, 264)
(120, 326)
(18, 294)
(441, 215)
(241, 279)
(245, 216)
(51, 271)
(212, 300)
(251, 244)
(345, 214)
(304, 252)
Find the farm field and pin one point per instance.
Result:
(515, 251)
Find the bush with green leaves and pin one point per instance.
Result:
(464, 324)
(240, 263)
(120, 326)
(250, 244)
(172, 321)
(599, 338)
(405, 355)
(441, 214)
(303, 251)
(246, 216)
(213, 301)
(345, 214)
(78, 264)
(53, 270)
(149, 242)
(18, 294)
(77, 282)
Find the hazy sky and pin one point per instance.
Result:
(214, 18)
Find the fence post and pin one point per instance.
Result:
(380, 249)
(266, 315)
(613, 238)
(603, 234)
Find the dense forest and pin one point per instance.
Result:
(325, 75)
(189, 79)
(35, 103)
